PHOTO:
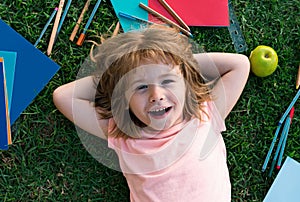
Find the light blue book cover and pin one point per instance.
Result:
(285, 187)
(4, 118)
(10, 63)
(130, 7)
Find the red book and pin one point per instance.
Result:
(195, 12)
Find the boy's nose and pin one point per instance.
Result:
(156, 93)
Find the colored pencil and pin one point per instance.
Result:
(132, 17)
(9, 141)
(82, 35)
(278, 129)
(63, 17)
(271, 148)
(290, 107)
(55, 26)
(298, 78)
(46, 26)
(281, 140)
(163, 18)
(75, 30)
(174, 14)
(285, 139)
(116, 30)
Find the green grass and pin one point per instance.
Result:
(47, 161)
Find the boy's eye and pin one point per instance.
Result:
(167, 81)
(141, 87)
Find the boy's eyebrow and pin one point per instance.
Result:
(160, 77)
(136, 81)
(169, 74)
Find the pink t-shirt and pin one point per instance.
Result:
(185, 163)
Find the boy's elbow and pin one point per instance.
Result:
(62, 99)
(247, 62)
(56, 96)
(244, 64)
(59, 97)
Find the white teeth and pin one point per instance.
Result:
(158, 110)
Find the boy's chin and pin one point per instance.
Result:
(158, 126)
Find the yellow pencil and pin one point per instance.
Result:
(55, 26)
(166, 20)
(298, 78)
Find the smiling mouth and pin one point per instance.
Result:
(160, 112)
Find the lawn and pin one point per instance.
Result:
(47, 161)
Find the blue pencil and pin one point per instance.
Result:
(282, 138)
(63, 17)
(134, 18)
(278, 129)
(285, 139)
(290, 107)
(282, 150)
(271, 148)
(46, 26)
(82, 35)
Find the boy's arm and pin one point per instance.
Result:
(75, 100)
(232, 71)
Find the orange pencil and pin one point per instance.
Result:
(82, 35)
(298, 78)
(174, 14)
(85, 8)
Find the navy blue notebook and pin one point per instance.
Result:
(33, 69)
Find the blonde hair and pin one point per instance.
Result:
(124, 52)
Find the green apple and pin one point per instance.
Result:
(263, 61)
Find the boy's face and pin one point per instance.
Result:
(156, 95)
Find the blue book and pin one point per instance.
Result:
(33, 69)
(5, 134)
